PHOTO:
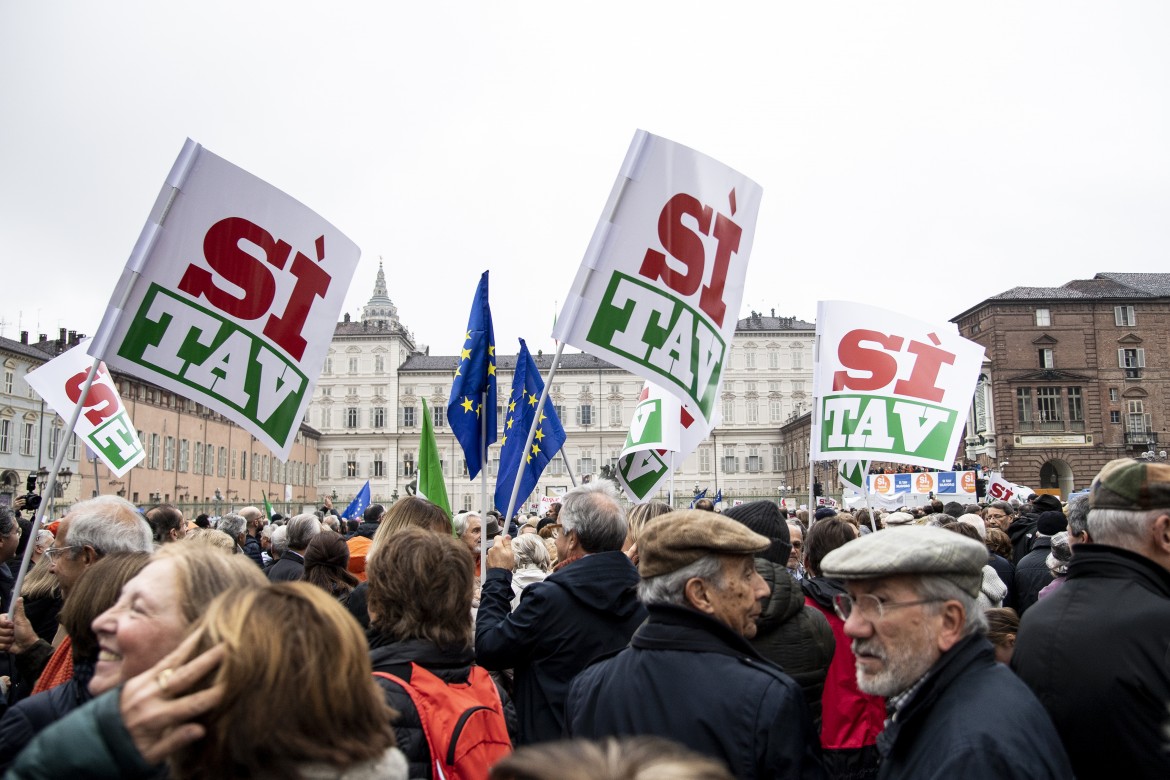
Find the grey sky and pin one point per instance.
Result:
(916, 155)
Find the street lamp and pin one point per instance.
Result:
(1150, 455)
(64, 477)
(42, 479)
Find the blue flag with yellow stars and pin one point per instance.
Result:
(475, 374)
(547, 442)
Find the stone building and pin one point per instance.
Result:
(1075, 376)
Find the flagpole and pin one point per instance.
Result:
(552, 372)
(51, 486)
(483, 461)
(568, 468)
(671, 502)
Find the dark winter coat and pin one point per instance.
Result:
(972, 719)
(25, 719)
(290, 568)
(1097, 654)
(587, 609)
(792, 635)
(689, 678)
(252, 550)
(452, 665)
(1032, 574)
(1022, 532)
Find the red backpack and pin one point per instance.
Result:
(463, 722)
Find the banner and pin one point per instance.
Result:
(659, 289)
(940, 483)
(889, 387)
(230, 297)
(645, 460)
(999, 489)
(852, 473)
(104, 425)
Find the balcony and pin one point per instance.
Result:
(1141, 438)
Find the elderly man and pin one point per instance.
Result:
(910, 608)
(291, 565)
(254, 518)
(1097, 651)
(91, 530)
(689, 673)
(584, 610)
(236, 527)
(468, 526)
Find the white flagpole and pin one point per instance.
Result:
(50, 487)
(672, 479)
(568, 468)
(483, 466)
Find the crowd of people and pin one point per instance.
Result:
(1008, 640)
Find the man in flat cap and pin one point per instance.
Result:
(689, 673)
(910, 609)
(1097, 651)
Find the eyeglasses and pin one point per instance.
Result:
(871, 607)
(53, 552)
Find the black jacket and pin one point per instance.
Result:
(1097, 654)
(689, 678)
(252, 550)
(290, 568)
(587, 609)
(1032, 574)
(792, 635)
(1022, 531)
(452, 665)
(972, 718)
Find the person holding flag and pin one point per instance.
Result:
(549, 437)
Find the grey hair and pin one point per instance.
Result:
(332, 522)
(109, 524)
(279, 541)
(671, 588)
(7, 521)
(459, 522)
(1125, 528)
(593, 512)
(1078, 515)
(301, 530)
(530, 552)
(942, 589)
(233, 525)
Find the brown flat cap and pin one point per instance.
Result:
(910, 550)
(1131, 484)
(678, 539)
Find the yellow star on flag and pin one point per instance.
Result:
(532, 399)
(539, 434)
(465, 354)
(491, 369)
(466, 404)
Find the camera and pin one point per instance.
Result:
(31, 500)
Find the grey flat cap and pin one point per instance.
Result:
(913, 550)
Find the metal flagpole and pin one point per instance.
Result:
(483, 465)
(568, 468)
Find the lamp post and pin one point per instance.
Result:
(1150, 455)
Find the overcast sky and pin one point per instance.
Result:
(917, 155)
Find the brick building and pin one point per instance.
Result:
(1075, 376)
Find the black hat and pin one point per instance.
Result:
(1047, 503)
(1051, 523)
(764, 518)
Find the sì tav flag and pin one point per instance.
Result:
(659, 288)
(430, 469)
(889, 387)
(230, 297)
(104, 424)
(546, 442)
(852, 474)
(661, 425)
(475, 375)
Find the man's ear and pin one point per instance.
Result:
(1160, 535)
(89, 555)
(698, 594)
(954, 618)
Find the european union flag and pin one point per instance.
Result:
(700, 494)
(476, 373)
(358, 506)
(547, 442)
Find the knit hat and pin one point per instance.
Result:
(915, 550)
(1047, 503)
(678, 539)
(1060, 555)
(823, 512)
(976, 522)
(1131, 484)
(1051, 523)
(764, 518)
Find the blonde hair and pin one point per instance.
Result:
(640, 515)
(629, 758)
(204, 572)
(410, 512)
(272, 635)
(211, 537)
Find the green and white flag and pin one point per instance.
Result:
(661, 427)
(104, 425)
(430, 472)
(852, 474)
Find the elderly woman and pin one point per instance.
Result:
(532, 563)
(421, 585)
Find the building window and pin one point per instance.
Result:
(53, 442)
(378, 416)
(184, 454)
(704, 460)
(379, 364)
(1024, 404)
(729, 464)
(1115, 416)
(233, 464)
(408, 464)
(585, 415)
(8, 381)
(351, 417)
(798, 387)
(197, 461)
(753, 412)
(153, 453)
(223, 454)
(255, 466)
(409, 417)
(1043, 318)
(1113, 394)
(379, 469)
(26, 441)
(775, 411)
(754, 463)
(323, 468)
(728, 411)
(585, 463)
(777, 458)
(1124, 316)
(749, 359)
(1076, 406)
(1046, 359)
(328, 369)
(556, 467)
(615, 389)
(1133, 361)
(327, 417)
(560, 409)
(615, 415)
(439, 415)
(1048, 404)
(1137, 420)
(797, 360)
(494, 464)
(353, 365)
(351, 468)
(5, 435)
(467, 503)
(773, 359)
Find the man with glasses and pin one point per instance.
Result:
(910, 610)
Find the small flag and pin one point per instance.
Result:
(268, 510)
(852, 473)
(719, 497)
(358, 505)
(430, 471)
(701, 494)
(475, 375)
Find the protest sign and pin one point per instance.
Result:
(661, 425)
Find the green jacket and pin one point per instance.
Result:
(88, 744)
